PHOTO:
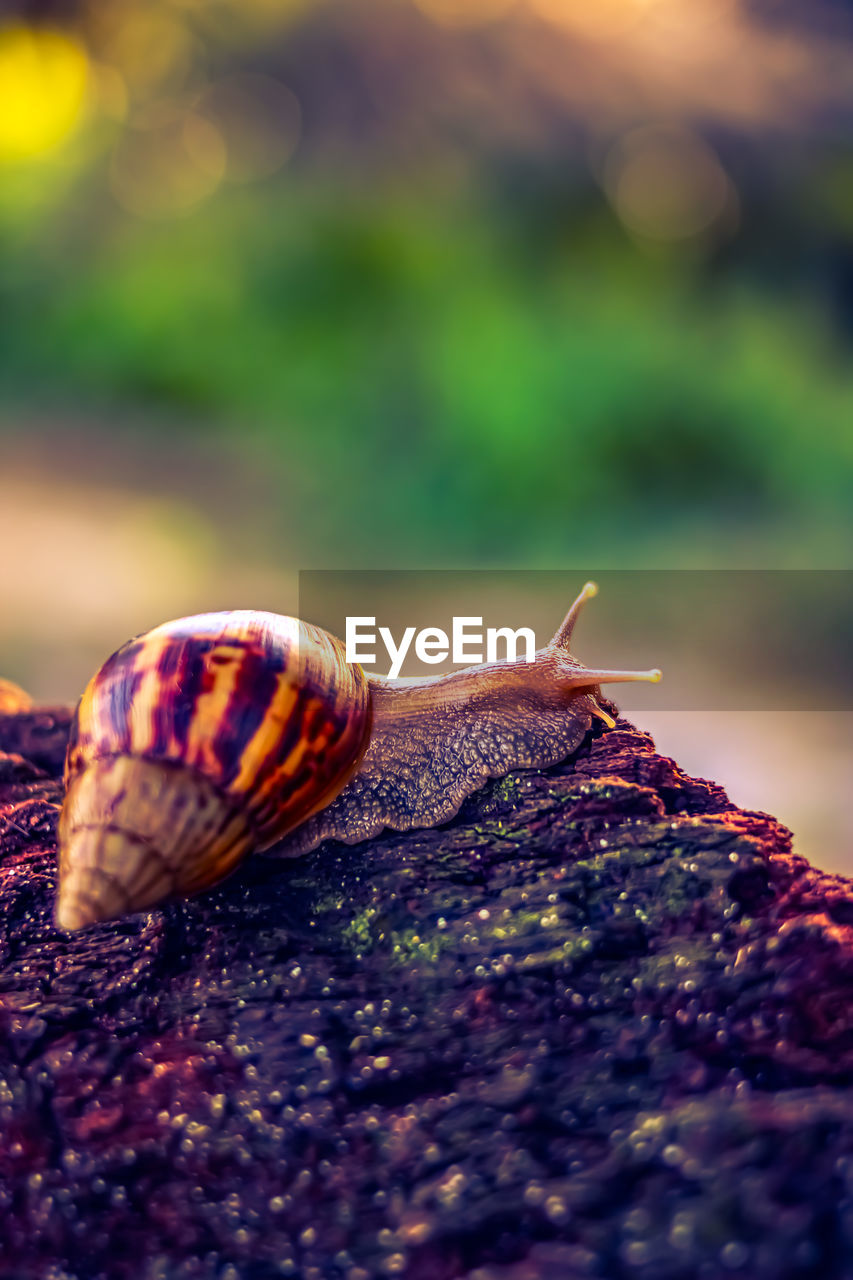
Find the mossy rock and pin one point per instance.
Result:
(599, 1025)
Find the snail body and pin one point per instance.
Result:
(219, 734)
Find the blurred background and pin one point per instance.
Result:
(427, 283)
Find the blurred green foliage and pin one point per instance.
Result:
(458, 371)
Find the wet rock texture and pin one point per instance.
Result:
(599, 1026)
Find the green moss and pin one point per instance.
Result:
(423, 943)
(360, 933)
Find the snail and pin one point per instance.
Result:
(219, 734)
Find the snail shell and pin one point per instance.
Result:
(194, 743)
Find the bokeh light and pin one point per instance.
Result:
(109, 91)
(258, 120)
(667, 184)
(147, 43)
(43, 75)
(602, 20)
(169, 162)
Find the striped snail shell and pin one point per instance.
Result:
(194, 743)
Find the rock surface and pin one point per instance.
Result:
(598, 1026)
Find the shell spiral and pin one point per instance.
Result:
(195, 743)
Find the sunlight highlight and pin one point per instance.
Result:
(604, 20)
(43, 77)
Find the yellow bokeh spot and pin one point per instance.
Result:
(152, 49)
(43, 77)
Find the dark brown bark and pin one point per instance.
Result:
(599, 1025)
